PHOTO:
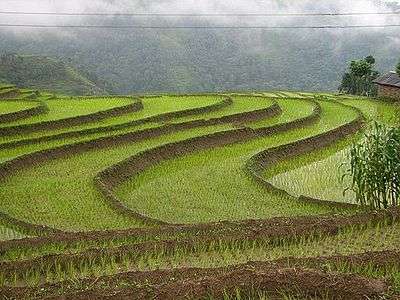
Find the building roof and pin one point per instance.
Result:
(389, 79)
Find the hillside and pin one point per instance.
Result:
(209, 59)
(208, 196)
(44, 73)
(188, 61)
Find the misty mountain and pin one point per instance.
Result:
(196, 60)
(44, 73)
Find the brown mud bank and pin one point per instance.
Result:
(303, 277)
(40, 108)
(273, 232)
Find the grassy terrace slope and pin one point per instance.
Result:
(63, 108)
(212, 185)
(7, 107)
(71, 178)
(189, 160)
(318, 176)
(7, 233)
(114, 125)
(152, 107)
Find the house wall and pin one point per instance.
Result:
(388, 92)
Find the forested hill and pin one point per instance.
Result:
(44, 73)
(208, 59)
(196, 61)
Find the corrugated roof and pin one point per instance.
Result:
(390, 79)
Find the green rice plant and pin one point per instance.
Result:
(68, 213)
(192, 188)
(7, 106)
(4, 92)
(51, 211)
(200, 190)
(121, 124)
(222, 253)
(292, 109)
(375, 168)
(271, 95)
(373, 109)
(316, 174)
(241, 104)
(70, 107)
(292, 94)
(151, 108)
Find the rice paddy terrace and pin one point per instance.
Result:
(217, 196)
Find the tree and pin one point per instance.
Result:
(398, 68)
(359, 81)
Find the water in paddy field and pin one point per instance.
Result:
(9, 234)
(321, 179)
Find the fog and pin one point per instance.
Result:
(206, 59)
(198, 7)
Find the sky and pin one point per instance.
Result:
(190, 7)
(198, 6)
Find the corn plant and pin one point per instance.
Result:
(375, 168)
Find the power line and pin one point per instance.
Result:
(197, 27)
(200, 15)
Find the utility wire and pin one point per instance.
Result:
(199, 15)
(197, 27)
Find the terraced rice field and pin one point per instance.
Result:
(317, 176)
(7, 107)
(226, 196)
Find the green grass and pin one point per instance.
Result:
(208, 185)
(63, 108)
(151, 107)
(292, 110)
(7, 107)
(212, 185)
(240, 104)
(62, 193)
